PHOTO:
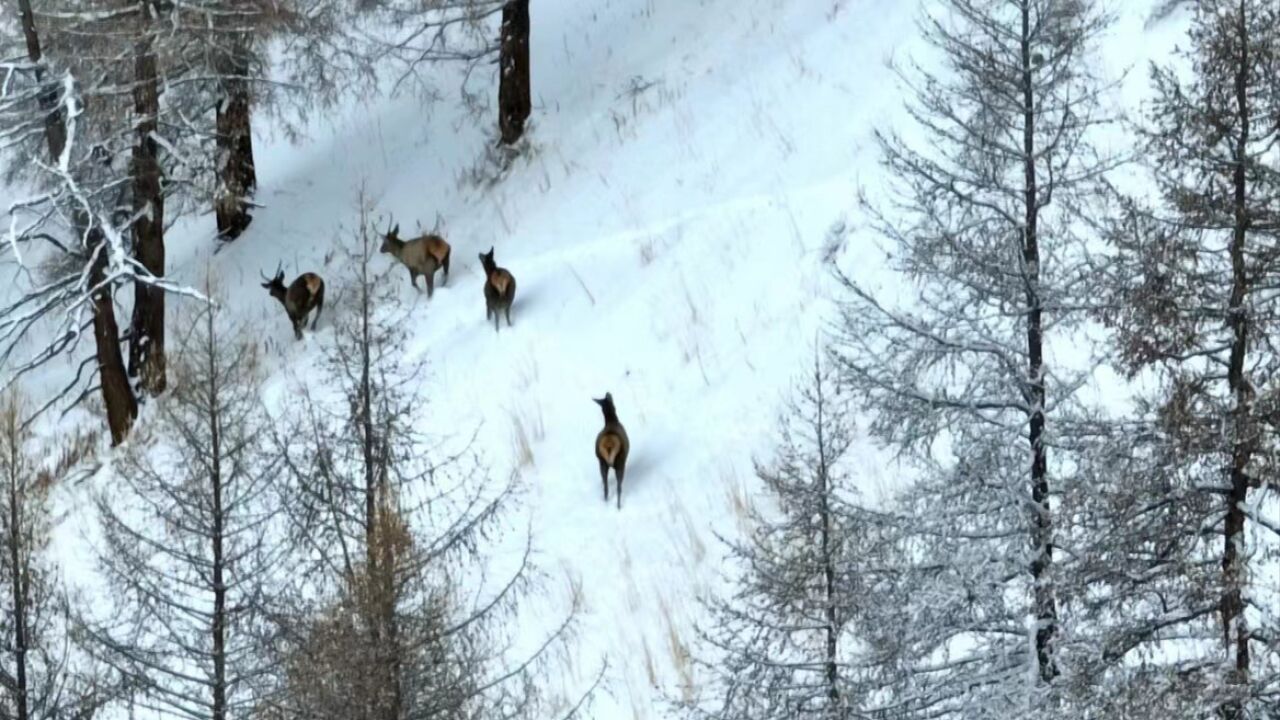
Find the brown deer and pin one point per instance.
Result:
(302, 295)
(612, 447)
(422, 256)
(499, 289)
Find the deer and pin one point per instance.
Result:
(302, 295)
(612, 446)
(499, 289)
(422, 256)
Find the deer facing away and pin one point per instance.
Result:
(612, 447)
(499, 289)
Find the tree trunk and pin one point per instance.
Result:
(146, 336)
(1242, 445)
(55, 132)
(828, 564)
(219, 626)
(515, 101)
(1046, 611)
(20, 577)
(117, 394)
(237, 178)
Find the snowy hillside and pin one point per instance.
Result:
(692, 164)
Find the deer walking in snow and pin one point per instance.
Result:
(302, 295)
(499, 289)
(422, 256)
(612, 447)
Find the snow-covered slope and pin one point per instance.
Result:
(668, 230)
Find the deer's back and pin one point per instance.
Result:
(502, 283)
(436, 247)
(303, 290)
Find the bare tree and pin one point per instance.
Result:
(982, 227)
(386, 523)
(70, 225)
(190, 542)
(39, 677)
(1194, 309)
(783, 641)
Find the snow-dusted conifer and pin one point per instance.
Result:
(779, 644)
(1191, 629)
(957, 375)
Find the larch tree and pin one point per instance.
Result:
(955, 371)
(190, 543)
(385, 522)
(40, 677)
(782, 642)
(1194, 307)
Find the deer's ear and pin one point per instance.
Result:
(396, 230)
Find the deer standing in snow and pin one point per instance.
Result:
(422, 256)
(303, 295)
(499, 289)
(612, 447)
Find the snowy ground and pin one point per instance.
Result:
(668, 246)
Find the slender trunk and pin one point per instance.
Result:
(146, 336)
(219, 627)
(376, 544)
(392, 701)
(828, 563)
(237, 178)
(1233, 619)
(117, 393)
(19, 579)
(55, 132)
(515, 100)
(1046, 612)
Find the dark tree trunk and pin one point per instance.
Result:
(117, 393)
(55, 132)
(237, 178)
(146, 336)
(1242, 445)
(1041, 519)
(515, 100)
(219, 561)
(828, 564)
(20, 586)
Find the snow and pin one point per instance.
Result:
(667, 232)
